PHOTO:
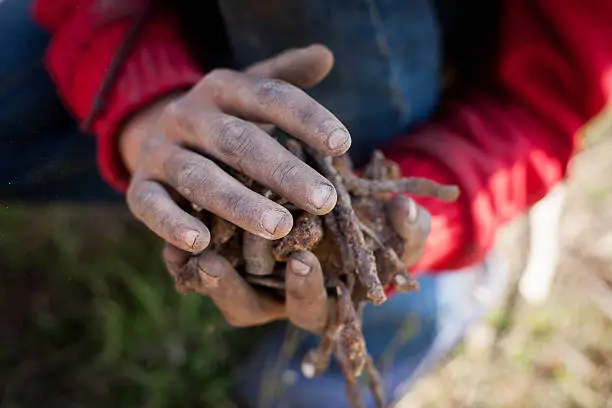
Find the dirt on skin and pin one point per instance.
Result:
(359, 251)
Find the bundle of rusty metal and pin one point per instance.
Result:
(358, 249)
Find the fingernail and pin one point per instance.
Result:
(271, 220)
(208, 267)
(190, 237)
(321, 195)
(300, 268)
(209, 272)
(413, 212)
(338, 139)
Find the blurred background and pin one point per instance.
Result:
(90, 318)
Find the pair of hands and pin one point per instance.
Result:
(169, 147)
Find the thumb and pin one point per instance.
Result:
(412, 222)
(306, 301)
(302, 67)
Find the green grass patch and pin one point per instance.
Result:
(91, 318)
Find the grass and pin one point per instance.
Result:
(90, 319)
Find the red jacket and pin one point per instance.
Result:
(505, 148)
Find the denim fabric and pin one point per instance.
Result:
(407, 336)
(385, 79)
(387, 56)
(43, 157)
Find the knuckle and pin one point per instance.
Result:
(153, 152)
(310, 114)
(190, 176)
(148, 199)
(285, 172)
(170, 114)
(172, 109)
(176, 122)
(272, 92)
(235, 137)
(238, 205)
(150, 147)
(218, 77)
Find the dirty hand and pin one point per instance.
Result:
(169, 147)
(306, 303)
(412, 222)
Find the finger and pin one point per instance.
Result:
(302, 67)
(306, 299)
(174, 258)
(273, 101)
(248, 149)
(412, 222)
(238, 301)
(204, 183)
(151, 203)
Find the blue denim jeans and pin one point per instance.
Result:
(43, 156)
(379, 88)
(386, 78)
(407, 336)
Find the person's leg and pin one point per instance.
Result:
(407, 336)
(43, 156)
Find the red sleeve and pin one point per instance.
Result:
(508, 148)
(86, 35)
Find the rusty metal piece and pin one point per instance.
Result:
(306, 233)
(257, 252)
(347, 222)
(317, 360)
(388, 265)
(188, 279)
(375, 169)
(351, 337)
(404, 282)
(359, 251)
(221, 231)
(416, 186)
(375, 383)
(353, 391)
